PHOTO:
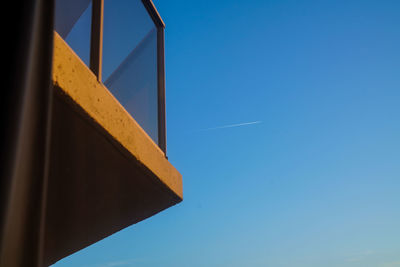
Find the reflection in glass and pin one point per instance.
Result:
(126, 23)
(130, 60)
(134, 84)
(73, 24)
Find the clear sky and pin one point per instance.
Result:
(316, 181)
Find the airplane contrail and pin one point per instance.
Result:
(231, 125)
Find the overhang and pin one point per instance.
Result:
(106, 173)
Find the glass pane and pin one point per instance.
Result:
(73, 24)
(130, 60)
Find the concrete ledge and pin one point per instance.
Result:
(74, 78)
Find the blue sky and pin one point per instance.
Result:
(317, 181)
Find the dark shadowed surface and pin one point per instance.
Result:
(95, 186)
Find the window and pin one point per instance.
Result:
(73, 23)
(130, 58)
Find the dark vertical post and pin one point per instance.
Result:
(96, 41)
(162, 136)
(26, 109)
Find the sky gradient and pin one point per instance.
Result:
(316, 181)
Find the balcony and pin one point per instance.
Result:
(108, 166)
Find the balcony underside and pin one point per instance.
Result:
(105, 172)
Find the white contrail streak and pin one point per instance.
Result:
(232, 125)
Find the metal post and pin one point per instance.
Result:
(162, 136)
(96, 41)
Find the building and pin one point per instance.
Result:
(87, 155)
